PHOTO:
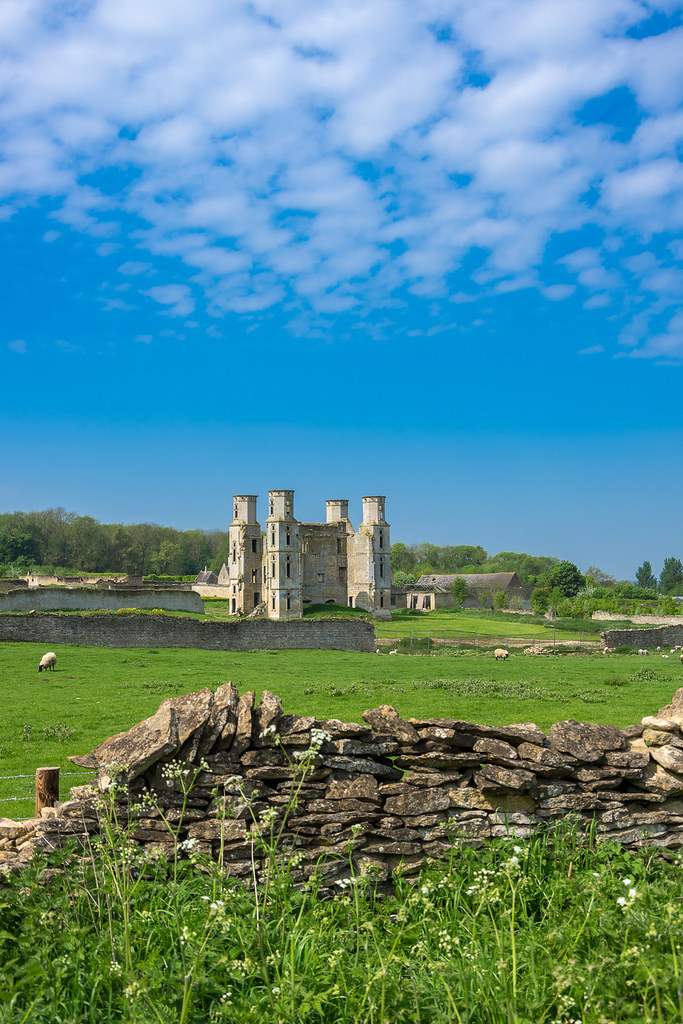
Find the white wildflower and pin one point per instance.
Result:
(621, 900)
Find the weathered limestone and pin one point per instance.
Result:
(386, 795)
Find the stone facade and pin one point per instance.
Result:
(131, 630)
(290, 563)
(380, 796)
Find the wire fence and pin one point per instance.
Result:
(452, 641)
(28, 791)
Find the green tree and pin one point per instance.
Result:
(671, 577)
(500, 600)
(459, 591)
(565, 576)
(540, 600)
(645, 576)
(600, 578)
(403, 579)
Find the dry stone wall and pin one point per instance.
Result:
(100, 599)
(382, 795)
(164, 631)
(662, 636)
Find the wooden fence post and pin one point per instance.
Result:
(47, 788)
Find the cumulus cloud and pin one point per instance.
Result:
(18, 345)
(324, 157)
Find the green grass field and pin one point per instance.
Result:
(96, 692)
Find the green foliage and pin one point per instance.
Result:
(565, 576)
(540, 600)
(667, 606)
(468, 558)
(459, 591)
(596, 577)
(645, 577)
(556, 928)
(634, 591)
(500, 599)
(403, 579)
(671, 578)
(55, 538)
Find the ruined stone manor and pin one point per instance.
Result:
(290, 564)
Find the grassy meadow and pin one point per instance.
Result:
(544, 931)
(539, 931)
(96, 692)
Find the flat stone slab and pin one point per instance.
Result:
(132, 753)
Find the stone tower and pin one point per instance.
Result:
(246, 548)
(281, 558)
(369, 560)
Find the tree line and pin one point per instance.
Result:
(62, 541)
(415, 560)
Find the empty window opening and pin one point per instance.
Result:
(381, 600)
(289, 603)
(342, 574)
(234, 604)
(350, 602)
(236, 512)
(340, 545)
(272, 538)
(273, 603)
(288, 567)
(257, 598)
(288, 540)
(381, 568)
(272, 509)
(254, 545)
(381, 538)
(234, 553)
(273, 569)
(254, 575)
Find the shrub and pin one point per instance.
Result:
(500, 600)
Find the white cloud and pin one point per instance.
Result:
(18, 345)
(176, 296)
(328, 155)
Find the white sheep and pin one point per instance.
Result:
(47, 661)
(395, 651)
(643, 652)
(500, 652)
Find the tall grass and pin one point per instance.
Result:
(546, 931)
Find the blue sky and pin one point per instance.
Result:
(428, 249)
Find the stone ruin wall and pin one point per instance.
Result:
(388, 793)
(101, 599)
(655, 636)
(132, 630)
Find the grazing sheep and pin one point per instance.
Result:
(47, 661)
(665, 655)
(643, 652)
(500, 652)
(658, 650)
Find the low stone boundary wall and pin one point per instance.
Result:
(133, 630)
(83, 599)
(655, 636)
(378, 796)
(638, 620)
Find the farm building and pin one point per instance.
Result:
(434, 591)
